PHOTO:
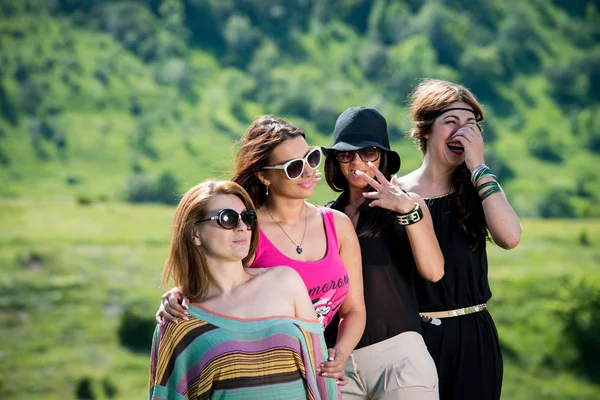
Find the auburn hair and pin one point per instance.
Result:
(255, 148)
(427, 100)
(186, 263)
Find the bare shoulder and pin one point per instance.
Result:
(283, 275)
(341, 221)
(416, 197)
(409, 181)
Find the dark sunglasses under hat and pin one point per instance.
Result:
(362, 127)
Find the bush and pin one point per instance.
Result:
(557, 204)
(110, 390)
(140, 188)
(166, 188)
(175, 72)
(587, 127)
(242, 39)
(4, 160)
(136, 329)
(480, 68)
(84, 200)
(498, 166)
(84, 390)
(72, 180)
(544, 146)
(131, 24)
(584, 239)
(581, 317)
(373, 59)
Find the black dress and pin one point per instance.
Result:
(466, 349)
(388, 269)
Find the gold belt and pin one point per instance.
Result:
(433, 317)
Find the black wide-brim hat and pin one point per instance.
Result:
(359, 127)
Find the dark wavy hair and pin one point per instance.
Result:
(429, 98)
(376, 217)
(263, 135)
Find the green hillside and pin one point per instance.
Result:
(107, 107)
(96, 96)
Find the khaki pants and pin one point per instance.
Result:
(397, 368)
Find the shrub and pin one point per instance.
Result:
(581, 317)
(140, 188)
(84, 390)
(242, 39)
(72, 180)
(4, 160)
(584, 239)
(498, 166)
(166, 188)
(110, 390)
(557, 204)
(84, 200)
(544, 146)
(136, 329)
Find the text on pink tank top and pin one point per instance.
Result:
(326, 279)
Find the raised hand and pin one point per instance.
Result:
(470, 137)
(387, 194)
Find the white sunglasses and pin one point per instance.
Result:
(295, 168)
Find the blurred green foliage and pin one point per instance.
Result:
(156, 83)
(128, 100)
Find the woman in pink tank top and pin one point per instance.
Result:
(326, 278)
(277, 168)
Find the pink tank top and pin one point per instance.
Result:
(326, 279)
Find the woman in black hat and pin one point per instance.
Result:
(466, 204)
(397, 241)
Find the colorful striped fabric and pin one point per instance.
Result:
(213, 356)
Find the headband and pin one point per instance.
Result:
(437, 114)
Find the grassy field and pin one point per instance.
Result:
(97, 94)
(70, 271)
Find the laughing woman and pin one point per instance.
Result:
(466, 204)
(251, 333)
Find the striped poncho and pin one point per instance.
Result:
(213, 356)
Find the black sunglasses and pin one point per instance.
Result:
(295, 168)
(366, 154)
(229, 219)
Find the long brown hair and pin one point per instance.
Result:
(377, 217)
(255, 148)
(429, 98)
(186, 263)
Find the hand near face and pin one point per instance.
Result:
(387, 194)
(470, 137)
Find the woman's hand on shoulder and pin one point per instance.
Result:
(173, 306)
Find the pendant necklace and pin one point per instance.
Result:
(298, 246)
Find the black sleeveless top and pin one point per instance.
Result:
(388, 269)
(465, 282)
